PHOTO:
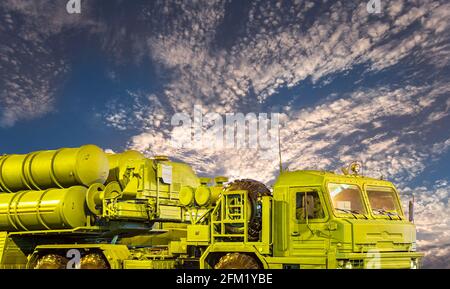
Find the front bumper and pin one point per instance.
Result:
(379, 260)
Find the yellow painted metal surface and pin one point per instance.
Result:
(149, 264)
(53, 169)
(118, 164)
(139, 200)
(202, 196)
(198, 233)
(186, 196)
(39, 210)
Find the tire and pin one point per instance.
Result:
(255, 191)
(237, 261)
(93, 261)
(51, 261)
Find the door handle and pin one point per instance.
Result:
(295, 234)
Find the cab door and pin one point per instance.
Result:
(308, 230)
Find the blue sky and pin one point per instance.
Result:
(349, 85)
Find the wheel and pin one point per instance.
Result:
(237, 261)
(51, 261)
(255, 191)
(93, 261)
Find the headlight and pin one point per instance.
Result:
(414, 264)
(348, 265)
(413, 247)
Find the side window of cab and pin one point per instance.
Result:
(308, 204)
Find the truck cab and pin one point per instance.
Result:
(326, 220)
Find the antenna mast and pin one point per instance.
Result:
(279, 149)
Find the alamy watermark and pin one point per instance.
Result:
(230, 131)
(73, 7)
(74, 256)
(373, 258)
(374, 6)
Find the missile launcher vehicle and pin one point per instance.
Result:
(83, 208)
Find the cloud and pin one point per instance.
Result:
(277, 47)
(32, 63)
(432, 213)
(330, 135)
(27, 69)
(437, 257)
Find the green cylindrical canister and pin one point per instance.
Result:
(43, 210)
(61, 168)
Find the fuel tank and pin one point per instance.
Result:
(61, 168)
(43, 210)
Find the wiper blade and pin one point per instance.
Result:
(353, 212)
(348, 212)
(358, 212)
(386, 213)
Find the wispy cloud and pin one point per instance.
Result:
(432, 213)
(277, 47)
(393, 128)
(32, 64)
(329, 135)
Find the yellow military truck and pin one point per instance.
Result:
(83, 208)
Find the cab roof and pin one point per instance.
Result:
(313, 178)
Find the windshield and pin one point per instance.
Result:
(383, 201)
(346, 198)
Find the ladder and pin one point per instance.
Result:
(230, 211)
